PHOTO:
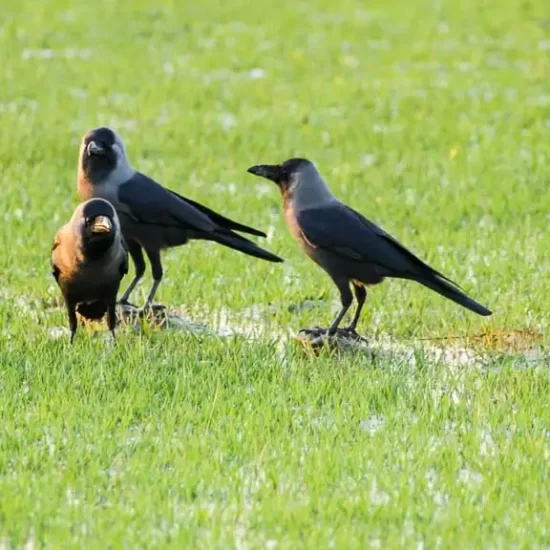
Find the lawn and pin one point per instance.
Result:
(433, 120)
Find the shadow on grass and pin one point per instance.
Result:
(524, 346)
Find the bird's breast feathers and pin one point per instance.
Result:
(108, 189)
(296, 230)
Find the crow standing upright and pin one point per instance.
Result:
(351, 249)
(152, 217)
(88, 262)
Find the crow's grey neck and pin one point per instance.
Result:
(311, 191)
(121, 174)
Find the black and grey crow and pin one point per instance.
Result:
(351, 249)
(88, 261)
(152, 217)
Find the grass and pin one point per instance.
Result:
(433, 120)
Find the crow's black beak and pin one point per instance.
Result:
(271, 172)
(95, 148)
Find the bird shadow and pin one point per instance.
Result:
(520, 347)
(316, 339)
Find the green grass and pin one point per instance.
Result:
(432, 119)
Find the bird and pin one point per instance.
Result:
(152, 217)
(88, 261)
(354, 251)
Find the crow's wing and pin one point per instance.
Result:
(220, 220)
(348, 234)
(151, 203)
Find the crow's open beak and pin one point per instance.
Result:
(95, 148)
(102, 224)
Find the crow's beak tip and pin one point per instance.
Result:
(94, 148)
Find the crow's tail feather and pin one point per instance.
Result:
(444, 288)
(236, 242)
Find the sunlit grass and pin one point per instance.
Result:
(433, 120)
